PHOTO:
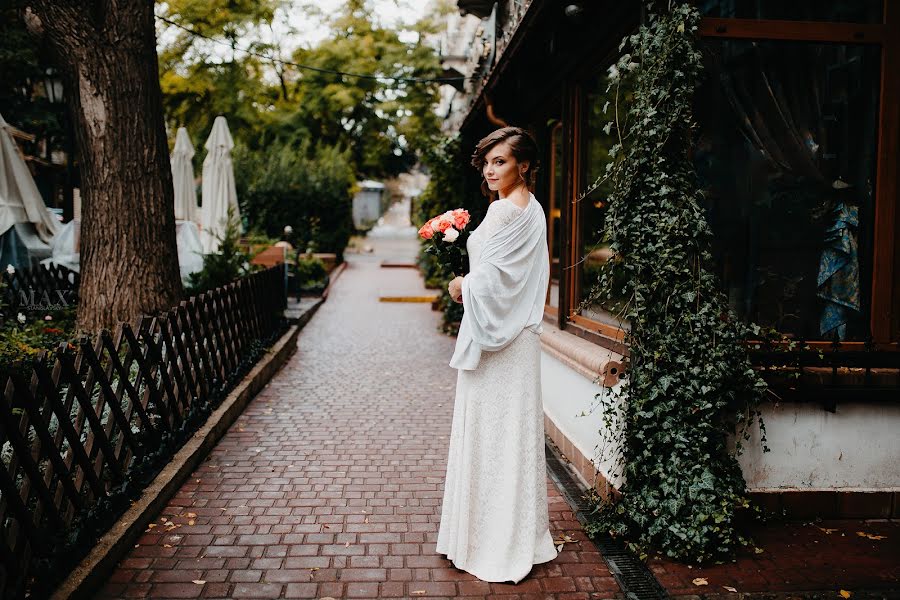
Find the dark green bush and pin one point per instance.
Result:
(310, 273)
(224, 266)
(307, 187)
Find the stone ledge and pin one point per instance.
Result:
(90, 574)
(580, 355)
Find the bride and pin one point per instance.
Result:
(494, 517)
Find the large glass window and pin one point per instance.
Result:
(600, 134)
(555, 194)
(848, 11)
(786, 152)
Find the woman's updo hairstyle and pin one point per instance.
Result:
(523, 148)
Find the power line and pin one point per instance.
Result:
(308, 67)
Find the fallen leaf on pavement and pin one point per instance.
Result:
(418, 592)
(191, 522)
(199, 581)
(190, 515)
(729, 588)
(826, 530)
(700, 581)
(845, 594)
(870, 535)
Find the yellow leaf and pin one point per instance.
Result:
(729, 588)
(167, 545)
(846, 594)
(700, 581)
(191, 522)
(199, 581)
(826, 530)
(191, 515)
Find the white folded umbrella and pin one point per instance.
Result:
(218, 191)
(183, 178)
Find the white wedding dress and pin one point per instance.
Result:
(494, 516)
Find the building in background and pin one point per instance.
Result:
(368, 204)
(797, 147)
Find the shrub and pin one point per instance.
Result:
(307, 187)
(310, 273)
(224, 266)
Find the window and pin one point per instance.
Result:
(848, 11)
(600, 103)
(786, 155)
(555, 194)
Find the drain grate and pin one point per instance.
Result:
(634, 578)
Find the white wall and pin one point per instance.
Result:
(568, 394)
(855, 449)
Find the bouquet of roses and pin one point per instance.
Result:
(448, 234)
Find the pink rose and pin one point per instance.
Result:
(425, 232)
(460, 218)
(443, 225)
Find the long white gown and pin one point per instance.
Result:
(494, 517)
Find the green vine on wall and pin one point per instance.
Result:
(690, 382)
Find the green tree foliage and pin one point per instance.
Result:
(307, 187)
(690, 382)
(23, 69)
(382, 122)
(208, 74)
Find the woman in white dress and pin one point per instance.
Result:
(494, 517)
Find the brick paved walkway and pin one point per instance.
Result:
(849, 555)
(330, 483)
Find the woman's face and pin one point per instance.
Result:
(501, 170)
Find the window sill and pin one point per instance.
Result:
(596, 362)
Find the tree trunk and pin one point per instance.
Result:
(107, 53)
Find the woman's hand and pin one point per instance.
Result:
(455, 289)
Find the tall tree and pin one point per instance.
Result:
(107, 54)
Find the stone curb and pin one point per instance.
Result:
(86, 578)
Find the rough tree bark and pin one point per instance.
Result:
(106, 50)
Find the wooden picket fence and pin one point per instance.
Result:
(93, 410)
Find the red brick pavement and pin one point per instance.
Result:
(330, 483)
(800, 557)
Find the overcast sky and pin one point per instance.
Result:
(299, 25)
(390, 13)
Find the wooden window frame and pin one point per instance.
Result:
(885, 300)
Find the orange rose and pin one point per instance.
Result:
(426, 232)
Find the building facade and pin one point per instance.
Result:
(797, 150)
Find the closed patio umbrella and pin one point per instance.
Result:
(218, 191)
(26, 226)
(183, 178)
